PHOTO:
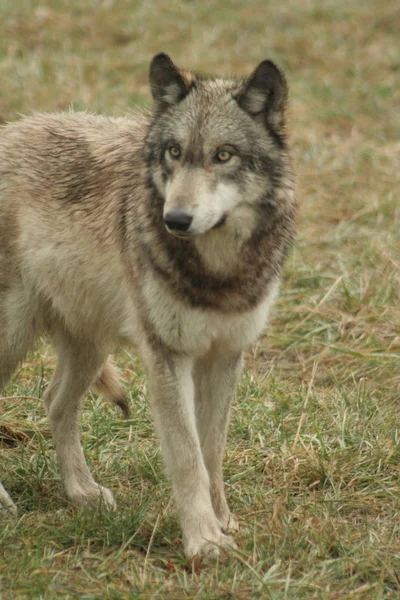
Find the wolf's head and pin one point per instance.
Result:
(216, 147)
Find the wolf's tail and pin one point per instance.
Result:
(107, 383)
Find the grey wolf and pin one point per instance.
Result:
(166, 232)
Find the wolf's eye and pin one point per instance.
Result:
(223, 156)
(174, 152)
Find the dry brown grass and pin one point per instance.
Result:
(312, 463)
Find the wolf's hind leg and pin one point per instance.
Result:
(17, 332)
(6, 504)
(215, 380)
(76, 369)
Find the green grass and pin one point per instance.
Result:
(312, 463)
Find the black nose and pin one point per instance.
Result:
(177, 220)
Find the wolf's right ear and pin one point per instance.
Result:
(265, 93)
(168, 86)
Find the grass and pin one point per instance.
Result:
(312, 462)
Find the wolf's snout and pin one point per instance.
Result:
(177, 220)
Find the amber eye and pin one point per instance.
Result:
(224, 156)
(175, 152)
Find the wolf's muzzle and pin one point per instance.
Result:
(178, 220)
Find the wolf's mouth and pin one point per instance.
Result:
(220, 222)
(180, 234)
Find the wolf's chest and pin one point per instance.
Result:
(196, 330)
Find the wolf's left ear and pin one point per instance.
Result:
(168, 86)
(265, 93)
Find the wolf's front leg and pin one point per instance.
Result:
(215, 379)
(171, 396)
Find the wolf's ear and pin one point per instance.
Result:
(168, 86)
(265, 93)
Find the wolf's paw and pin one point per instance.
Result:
(7, 506)
(208, 541)
(229, 523)
(80, 495)
(211, 549)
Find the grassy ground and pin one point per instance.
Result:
(312, 463)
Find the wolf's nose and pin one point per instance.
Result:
(177, 220)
